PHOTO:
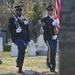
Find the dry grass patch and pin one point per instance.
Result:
(37, 63)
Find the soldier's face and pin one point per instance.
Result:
(51, 12)
(19, 12)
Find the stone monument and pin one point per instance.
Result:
(14, 50)
(67, 38)
(32, 49)
(41, 46)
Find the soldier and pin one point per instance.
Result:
(20, 35)
(50, 37)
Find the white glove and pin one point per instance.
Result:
(26, 21)
(18, 30)
(54, 37)
(55, 22)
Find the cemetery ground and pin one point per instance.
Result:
(35, 63)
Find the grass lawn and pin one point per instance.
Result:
(37, 63)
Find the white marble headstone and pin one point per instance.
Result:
(32, 49)
(1, 44)
(41, 44)
(14, 50)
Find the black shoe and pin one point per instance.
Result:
(20, 71)
(53, 71)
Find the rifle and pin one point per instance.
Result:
(11, 11)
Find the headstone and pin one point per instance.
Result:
(14, 50)
(67, 38)
(32, 49)
(3, 35)
(41, 46)
(1, 44)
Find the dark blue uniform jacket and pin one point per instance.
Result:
(48, 28)
(25, 35)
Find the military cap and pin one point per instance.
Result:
(18, 7)
(50, 8)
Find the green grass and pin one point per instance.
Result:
(37, 63)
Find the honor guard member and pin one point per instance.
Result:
(50, 38)
(20, 35)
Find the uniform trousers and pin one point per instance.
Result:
(52, 56)
(21, 52)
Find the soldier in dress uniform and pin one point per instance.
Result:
(50, 37)
(20, 35)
